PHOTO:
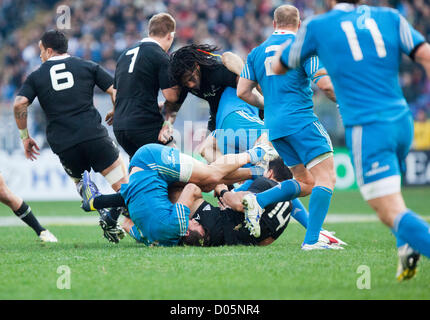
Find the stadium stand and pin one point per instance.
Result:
(101, 30)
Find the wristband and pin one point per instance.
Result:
(221, 194)
(23, 134)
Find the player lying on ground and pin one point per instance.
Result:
(363, 63)
(278, 172)
(237, 134)
(155, 167)
(23, 211)
(294, 129)
(225, 225)
(64, 86)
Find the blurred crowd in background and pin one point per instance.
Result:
(102, 29)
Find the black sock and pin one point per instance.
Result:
(25, 214)
(109, 201)
(115, 213)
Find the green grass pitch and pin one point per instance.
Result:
(100, 270)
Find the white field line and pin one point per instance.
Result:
(93, 220)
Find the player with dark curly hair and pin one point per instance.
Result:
(198, 69)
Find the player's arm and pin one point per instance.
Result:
(232, 62)
(422, 56)
(189, 195)
(172, 104)
(109, 116)
(413, 43)
(173, 95)
(247, 85)
(20, 111)
(318, 74)
(229, 199)
(169, 109)
(247, 91)
(326, 86)
(209, 148)
(105, 82)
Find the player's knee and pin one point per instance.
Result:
(332, 179)
(4, 192)
(306, 186)
(386, 213)
(326, 179)
(306, 189)
(3, 196)
(385, 217)
(115, 175)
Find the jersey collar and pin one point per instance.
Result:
(283, 32)
(343, 6)
(55, 58)
(148, 39)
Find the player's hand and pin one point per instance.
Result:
(221, 204)
(233, 200)
(109, 117)
(219, 188)
(166, 133)
(31, 149)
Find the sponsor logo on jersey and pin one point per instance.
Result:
(376, 169)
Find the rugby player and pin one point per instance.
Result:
(64, 86)
(199, 71)
(141, 71)
(154, 168)
(294, 129)
(23, 211)
(224, 225)
(362, 56)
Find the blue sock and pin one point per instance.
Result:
(399, 241)
(318, 207)
(413, 230)
(256, 154)
(300, 213)
(285, 191)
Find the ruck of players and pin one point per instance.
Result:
(265, 148)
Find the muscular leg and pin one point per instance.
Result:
(304, 178)
(210, 175)
(116, 174)
(287, 190)
(319, 201)
(7, 197)
(19, 207)
(406, 224)
(388, 207)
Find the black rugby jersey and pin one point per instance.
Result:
(213, 81)
(227, 227)
(141, 72)
(64, 86)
